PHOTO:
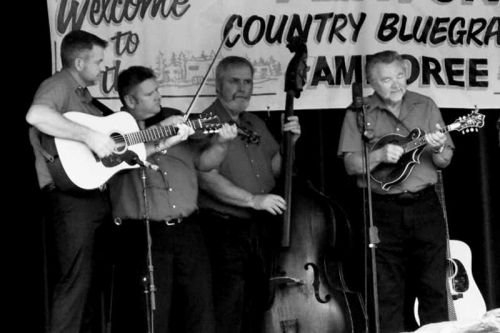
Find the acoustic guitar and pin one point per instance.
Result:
(389, 174)
(464, 298)
(78, 167)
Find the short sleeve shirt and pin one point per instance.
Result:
(172, 191)
(417, 111)
(62, 93)
(247, 165)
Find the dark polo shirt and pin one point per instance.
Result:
(172, 191)
(247, 165)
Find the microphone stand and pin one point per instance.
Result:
(368, 207)
(148, 281)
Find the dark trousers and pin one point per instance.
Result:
(240, 256)
(411, 259)
(182, 278)
(73, 221)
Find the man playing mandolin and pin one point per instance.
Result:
(406, 210)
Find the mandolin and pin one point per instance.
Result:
(389, 174)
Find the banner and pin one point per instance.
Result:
(452, 47)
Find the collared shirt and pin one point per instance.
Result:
(247, 165)
(417, 111)
(63, 93)
(171, 192)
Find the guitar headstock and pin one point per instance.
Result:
(469, 123)
(207, 123)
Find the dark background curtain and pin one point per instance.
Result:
(471, 182)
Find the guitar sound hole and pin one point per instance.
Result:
(460, 281)
(289, 326)
(121, 145)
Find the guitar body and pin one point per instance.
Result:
(75, 166)
(467, 301)
(463, 296)
(82, 167)
(387, 174)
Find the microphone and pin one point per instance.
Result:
(133, 159)
(358, 107)
(357, 96)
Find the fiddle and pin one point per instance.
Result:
(247, 134)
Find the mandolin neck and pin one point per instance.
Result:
(420, 140)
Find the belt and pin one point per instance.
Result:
(168, 222)
(172, 222)
(223, 216)
(52, 187)
(406, 195)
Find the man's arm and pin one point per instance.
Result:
(441, 151)
(353, 161)
(51, 122)
(183, 132)
(441, 144)
(226, 191)
(276, 164)
(442, 158)
(213, 155)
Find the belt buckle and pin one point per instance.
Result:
(50, 187)
(407, 195)
(174, 221)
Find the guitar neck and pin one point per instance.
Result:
(421, 141)
(157, 133)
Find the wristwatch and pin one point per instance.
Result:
(440, 150)
(158, 149)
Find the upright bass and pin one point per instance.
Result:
(303, 297)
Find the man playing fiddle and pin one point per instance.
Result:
(237, 204)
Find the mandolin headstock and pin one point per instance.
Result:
(469, 123)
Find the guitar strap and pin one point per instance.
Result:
(164, 113)
(440, 191)
(103, 108)
(399, 121)
(34, 135)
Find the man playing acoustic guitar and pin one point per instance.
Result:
(72, 218)
(406, 211)
(167, 197)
